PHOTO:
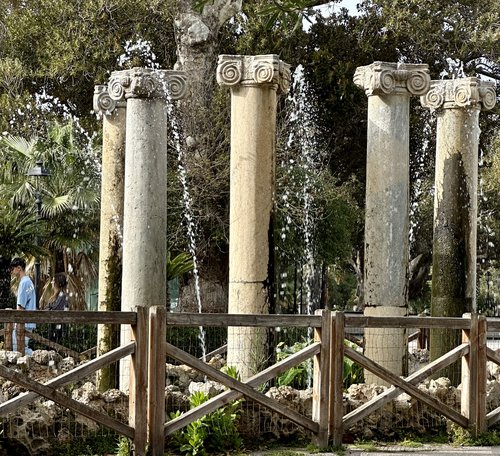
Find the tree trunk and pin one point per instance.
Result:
(197, 35)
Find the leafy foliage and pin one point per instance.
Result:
(181, 264)
(298, 375)
(215, 432)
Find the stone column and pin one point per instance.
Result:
(254, 82)
(144, 278)
(457, 104)
(110, 241)
(388, 87)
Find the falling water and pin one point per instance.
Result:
(302, 135)
(188, 212)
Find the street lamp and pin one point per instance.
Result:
(38, 172)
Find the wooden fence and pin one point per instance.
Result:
(148, 350)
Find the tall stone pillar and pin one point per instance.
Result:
(457, 104)
(144, 277)
(388, 87)
(110, 241)
(254, 82)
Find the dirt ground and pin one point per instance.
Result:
(394, 450)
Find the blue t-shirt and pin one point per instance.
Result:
(26, 297)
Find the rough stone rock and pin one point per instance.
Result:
(217, 362)
(46, 357)
(3, 358)
(182, 376)
(175, 399)
(66, 365)
(23, 362)
(12, 356)
(209, 387)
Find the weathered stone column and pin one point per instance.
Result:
(389, 87)
(457, 104)
(110, 241)
(144, 278)
(254, 82)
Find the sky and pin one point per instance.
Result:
(334, 6)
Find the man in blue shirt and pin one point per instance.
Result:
(26, 297)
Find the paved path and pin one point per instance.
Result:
(394, 450)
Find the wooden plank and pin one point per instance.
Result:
(361, 321)
(20, 330)
(321, 384)
(492, 355)
(407, 387)
(231, 395)
(337, 379)
(493, 324)
(156, 379)
(138, 397)
(51, 344)
(388, 395)
(413, 336)
(493, 417)
(243, 388)
(74, 375)
(51, 393)
(217, 351)
(259, 320)
(9, 327)
(470, 384)
(482, 373)
(72, 316)
(88, 353)
(465, 374)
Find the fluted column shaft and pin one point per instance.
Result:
(457, 104)
(111, 224)
(389, 87)
(254, 82)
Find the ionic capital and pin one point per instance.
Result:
(249, 70)
(460, 93)
(147, 83)
(384, 78)
(103, 103)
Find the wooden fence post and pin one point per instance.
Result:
(156, 379)
(482, 374)
(21, 341)
(337, 379)
(321, 383)
(138, 405)
(465, 399)
(9, 327)
(474, 375)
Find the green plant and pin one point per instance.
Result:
(353, 372)
(123, 448)
(297, 375)
(215, 432)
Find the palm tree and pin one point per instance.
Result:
(70, 210)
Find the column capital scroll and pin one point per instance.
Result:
(385, 78)
(460, 93)
(255, 70)
(103, 103)
(147, 83)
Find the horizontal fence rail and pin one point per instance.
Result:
(148, 351)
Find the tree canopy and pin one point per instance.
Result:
(54, 52)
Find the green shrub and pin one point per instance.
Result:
(215, 432)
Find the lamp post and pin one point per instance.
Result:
(38, 172)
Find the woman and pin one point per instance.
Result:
(58, 301)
